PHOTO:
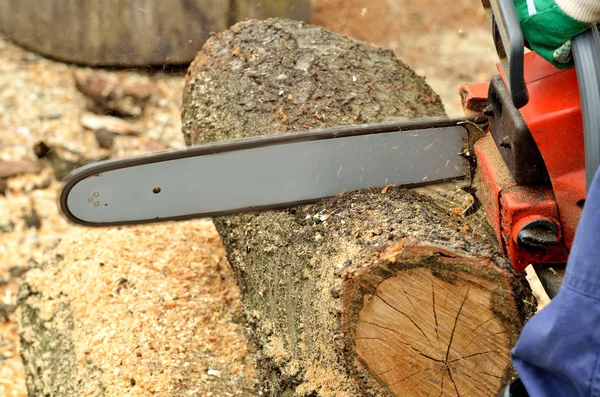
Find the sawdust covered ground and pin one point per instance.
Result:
(38, 101)
(447, 42)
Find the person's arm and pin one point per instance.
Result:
(549, 26)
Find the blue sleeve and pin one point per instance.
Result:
(558, 350)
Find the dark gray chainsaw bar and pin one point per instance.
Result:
(264, 173)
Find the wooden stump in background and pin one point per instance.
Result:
(130, 32)
(377, 293)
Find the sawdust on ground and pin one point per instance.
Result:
(39, 101)
(155, 307)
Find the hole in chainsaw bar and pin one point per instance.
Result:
(156, 190)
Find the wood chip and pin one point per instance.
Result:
(19, 167)
(111, 94)
(105, 138)
(113, 124)
(56, 156)
(94, 87)
(31, 217)
(139, 91)
(385, 189)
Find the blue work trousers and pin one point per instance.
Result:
(558, 351)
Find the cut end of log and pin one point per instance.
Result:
(440, 329)
(416, 345)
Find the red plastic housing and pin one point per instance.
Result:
(553, 116)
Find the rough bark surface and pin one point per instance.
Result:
(130, 33)
(306, 272)
(264, 77)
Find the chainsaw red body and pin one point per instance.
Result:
(554, 135)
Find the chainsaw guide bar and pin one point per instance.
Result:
(263, 173)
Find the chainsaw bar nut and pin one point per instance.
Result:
(538, 235)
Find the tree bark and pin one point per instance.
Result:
(375, 292)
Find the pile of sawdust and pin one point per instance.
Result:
(155, 309)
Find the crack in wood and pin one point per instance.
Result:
(410, 376)
(442, 386)
(434, 312)
(456, 322)
(370, 338)
(470, 355)
(431, 358)
(452, 380)
(425, 355)
(476, 328)
(408, 317)
(492, 375)
(399, 366)
(408, 355)
(402, 342)
(473, 332)
(381, 326)
(452, 337)
(411, 304)
(388, 329)
(473, 383)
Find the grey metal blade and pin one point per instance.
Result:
(259, 174)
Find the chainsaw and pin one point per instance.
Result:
(529, 146)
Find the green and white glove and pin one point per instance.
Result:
(549, 26)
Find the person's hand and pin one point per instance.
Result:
(549, 30)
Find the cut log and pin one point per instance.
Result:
(375, 292)
(438, 328)
(129, 32)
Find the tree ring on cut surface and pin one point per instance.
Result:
(430, 330)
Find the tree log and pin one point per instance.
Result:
(130, 32)
(375, 292)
